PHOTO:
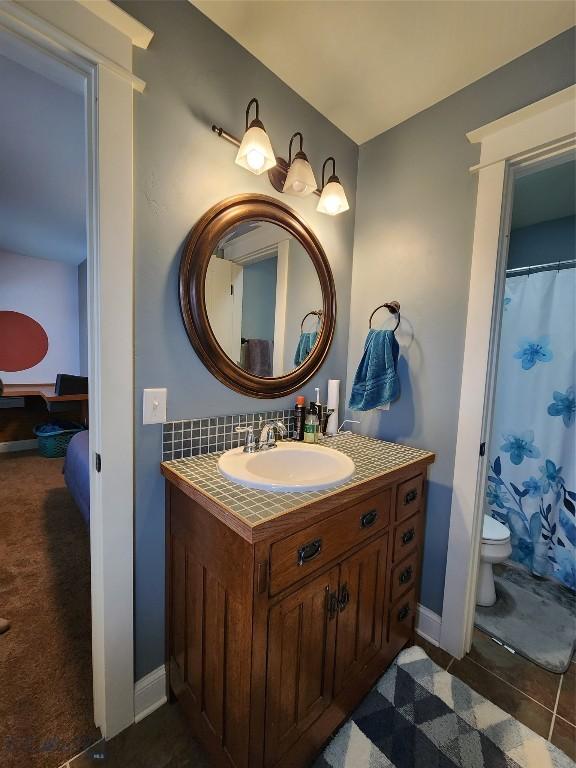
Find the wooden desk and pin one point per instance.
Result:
(48, 394)
(46, 391)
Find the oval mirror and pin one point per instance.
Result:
(257, 296)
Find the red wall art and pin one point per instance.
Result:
(23, 341)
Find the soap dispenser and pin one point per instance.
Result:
(311, 426)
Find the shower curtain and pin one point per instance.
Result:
(532, 476)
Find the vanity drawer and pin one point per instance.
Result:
(401, 621)
(408, 535)
(404, 575)
(295, 557)
(409, 497)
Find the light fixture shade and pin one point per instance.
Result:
(300, 180)
(333, 198)
(255, 152)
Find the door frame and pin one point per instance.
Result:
(95, 41)
(531, 135)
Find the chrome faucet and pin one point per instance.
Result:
(268, 434)
(250, 444)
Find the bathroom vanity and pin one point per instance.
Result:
(283, 609)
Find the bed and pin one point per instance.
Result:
(77, 473)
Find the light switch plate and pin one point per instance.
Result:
(154, 406)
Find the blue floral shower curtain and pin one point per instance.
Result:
(532, 476)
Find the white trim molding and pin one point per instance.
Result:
(535, 133)
(539, 125)
(134, 30)
(428, 624)
(13, 446)
(150, 693)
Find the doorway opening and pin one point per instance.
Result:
(64, 46)
(45, 585)
(526, 595)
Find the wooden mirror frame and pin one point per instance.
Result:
(199, 248)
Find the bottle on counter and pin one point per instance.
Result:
(299, 418)
(311, 426)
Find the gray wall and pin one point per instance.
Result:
(196, 75)
(83, 317)
(413, 242)
(43, 178)
(543, 243)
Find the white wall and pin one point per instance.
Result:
(304, 295)
(47, 291)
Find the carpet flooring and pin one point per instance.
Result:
(535, 617)
(45, 657)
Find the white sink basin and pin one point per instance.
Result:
(288, 467)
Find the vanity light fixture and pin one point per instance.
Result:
(300, 179)
(333, 198)
(255, 152)
(295, 176)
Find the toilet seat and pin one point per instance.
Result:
(493, 531)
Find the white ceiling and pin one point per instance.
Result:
(42, 160)
(367, 65)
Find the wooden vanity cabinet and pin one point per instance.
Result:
(272, 642)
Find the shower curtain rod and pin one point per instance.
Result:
(541, 268)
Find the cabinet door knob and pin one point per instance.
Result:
(309, 551)
(410, 497)
(368, 519)
(331, 603)
(406, 575)
(344, 597)
(403, 612)
(408, 536)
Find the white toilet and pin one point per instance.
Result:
(495, 548)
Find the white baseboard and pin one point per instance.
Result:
(428, 624)
(149, 693)
(18, 445)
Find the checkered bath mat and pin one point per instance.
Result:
(419, 716)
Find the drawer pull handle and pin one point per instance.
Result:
(344, 598)
(368, 519)
(408, 536)
(331, 604)
(403, 612)
(406, 575)
(410, 497)
(309, 551)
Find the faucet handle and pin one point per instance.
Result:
(282, 431)
(250, 442)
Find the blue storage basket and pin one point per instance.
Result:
(53, 439)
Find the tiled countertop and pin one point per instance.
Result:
(373, 458)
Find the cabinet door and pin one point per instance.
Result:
(301, 640)
(362, 595)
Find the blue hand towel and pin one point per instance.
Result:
(376, 381)
(305, 344)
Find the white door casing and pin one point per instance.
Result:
(96, 39)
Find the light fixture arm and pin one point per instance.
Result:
(257, 106)
(333, 176)
(301, 151)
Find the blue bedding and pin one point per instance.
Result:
(77, 473)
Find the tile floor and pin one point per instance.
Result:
(541, 700)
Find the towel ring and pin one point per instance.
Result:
(317, 312)
(393, 307)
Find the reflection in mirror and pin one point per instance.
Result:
(263, 298)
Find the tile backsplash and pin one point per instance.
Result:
(193, 437)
